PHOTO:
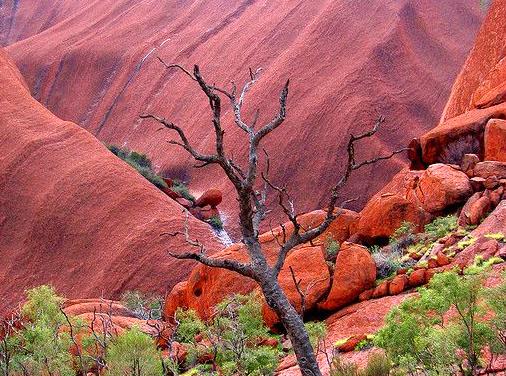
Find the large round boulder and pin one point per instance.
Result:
(311, 273)
(211, 197)
(385, 213)
(442, 186)
(354, 273)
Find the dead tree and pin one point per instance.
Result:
(252, 202)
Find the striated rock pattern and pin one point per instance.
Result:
(102, 55)
(75, 216)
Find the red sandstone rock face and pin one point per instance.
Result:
(485, 67)
(74, 215)
(102, 55)
(495, 140)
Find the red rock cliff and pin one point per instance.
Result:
(74, 215)
(95, 63)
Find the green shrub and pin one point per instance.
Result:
(479, 264)
(182, 189)
(388, 261)
(316, 330)
(332, 248)
(215, 222)
(340, 368)
(441, 227)
(405, 229)
(466, 242)
(140, 162)
(499, 236)
(143, 306)
(416, 336)
(260, 361)
(133, 353)
(377, 365)
(189, 326)
(140, 159)
(45, 346)
(235, 331)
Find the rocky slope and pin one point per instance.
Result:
(74, 215)
(95, 63)
(461, 169)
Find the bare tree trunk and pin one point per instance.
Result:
(253, 206)
(292, 322)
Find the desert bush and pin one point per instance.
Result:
(41, 346)
(417, 337)
(189, 325)
(377, 365)
(143, 306)
(140, 159)
(215, 222)
(140, 162)
(340, 368)
(234, 333)
(316, 330)
(388, 260)
(332, 248)
(180, 187)
(133, 353)
(441, 227)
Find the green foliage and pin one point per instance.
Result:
(441, 227)
(496, 301)
(479, 264)
(499, 236)
(259, 361)
(388, 261)
(405, 229)
(332, 248)
(365, 343)
(140, 162)
(140, 159)
(235, 331)
(189, 325)
(133, 353)
(417, 337)
(143, 306)
(42, 346)
(466, 242)
(215, 222)
(180, 187)
(340, 368)
(316, 330)
(377, 365)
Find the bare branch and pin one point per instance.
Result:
(185, 143)
(299, 291)
(201, 256)
(278, 120)
(181, 68)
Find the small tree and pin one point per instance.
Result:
(252, 201)
(133, 353)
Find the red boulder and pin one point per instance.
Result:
(211, 197)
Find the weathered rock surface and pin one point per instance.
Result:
(354, 272)
(75, 216)
(102, 55)
(483, 69)
(385, 213)
(495, 140)
(442, 186)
